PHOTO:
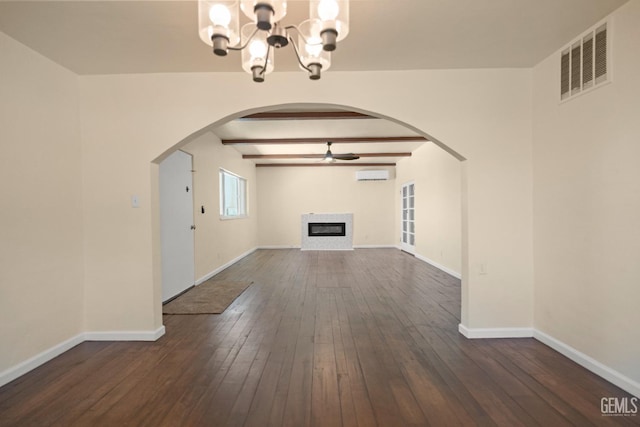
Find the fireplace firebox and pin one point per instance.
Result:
(319, 229)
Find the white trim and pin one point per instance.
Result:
(223, 267)
(354, 247)
(125, 335)
(32, 363)
(439, 266)
(374, 246)
(589, 363)
(473, 333)
(318, 249)
(22, 368)
(603, 371)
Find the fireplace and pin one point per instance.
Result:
(327, 232)
(316, 229)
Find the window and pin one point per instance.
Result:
(233, 195)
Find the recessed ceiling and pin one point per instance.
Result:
(112, 37)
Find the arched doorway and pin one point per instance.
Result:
(410, 170)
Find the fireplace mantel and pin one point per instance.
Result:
(327, 241)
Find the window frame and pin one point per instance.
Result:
(241, 193)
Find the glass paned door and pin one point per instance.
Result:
(408, 230)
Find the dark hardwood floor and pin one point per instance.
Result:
(358, 338)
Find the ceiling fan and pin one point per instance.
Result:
(329, 157)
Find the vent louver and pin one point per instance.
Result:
(583, 64)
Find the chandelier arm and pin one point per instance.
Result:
(248, 41)
(295, 49)
(293, 27)
(266, 60)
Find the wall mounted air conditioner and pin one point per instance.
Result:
(372, 175)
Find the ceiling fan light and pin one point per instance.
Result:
(264, 13)
(218, 21)
(328, 157)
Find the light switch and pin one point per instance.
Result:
(483, 268)
(135, 201)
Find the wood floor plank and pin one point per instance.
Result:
(347, 338)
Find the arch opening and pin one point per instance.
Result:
(440, 146)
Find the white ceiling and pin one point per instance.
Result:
(107, 37)
(325, 129)
(113, 37)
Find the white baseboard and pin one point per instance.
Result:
(32, 363)
(325, 250)
(125, 335)
(374, 246)
(354, 247)
(224, 267)
(473, 333)
(22, 368)
(589, 363)
(439, 267)
(609, 374)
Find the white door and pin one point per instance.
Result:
(408, 225)
(176, 223)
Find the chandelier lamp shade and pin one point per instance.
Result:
(316, 37)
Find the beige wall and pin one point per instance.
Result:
(219, 241)
(587, 206)
(41, 263)
(437, 178)
(285, 193)
(66, 186)
(130, 120)
(127, 122)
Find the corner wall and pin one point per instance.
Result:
(41, 259)
(437, 176)
(587, 206)
(217, 241)
(128, 121)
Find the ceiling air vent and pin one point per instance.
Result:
(583, 64)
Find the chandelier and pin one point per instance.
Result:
(328, 23)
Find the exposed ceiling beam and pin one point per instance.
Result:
(280, 165)
(350, 140)
(318, 156)
(307, 115)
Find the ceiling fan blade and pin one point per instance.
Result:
(349, 156)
